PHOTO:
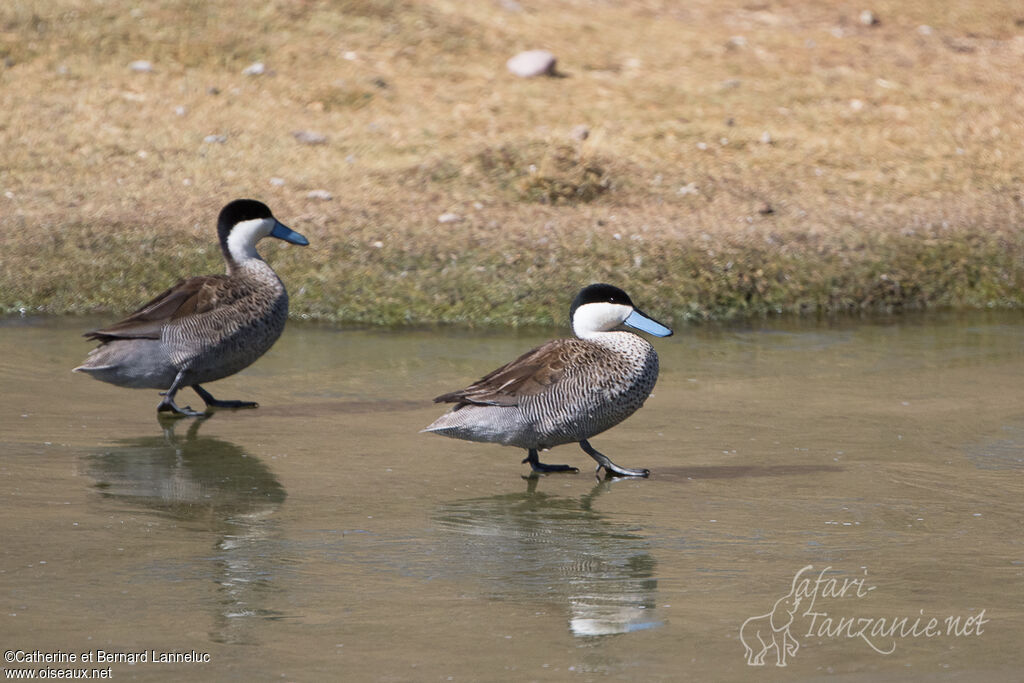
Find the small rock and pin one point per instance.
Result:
(731, 83)
(765, 209)
(322, 195)
(180, 111)
(349, 56)
(308, 137)
(215, 139)
(688, 188)
(277, 182)
(856, 105)
(924, 30)
(579, 132)
(510, 6)
(141, 66)
(377, 245)
(532, 63)
(736, 42)
(766, 138)
(869, 18)
(449, 218)
(255, 69)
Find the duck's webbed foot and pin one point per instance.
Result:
(611, 468)
(167, 405)
(212, 402)
(537, 466)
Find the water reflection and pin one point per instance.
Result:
(216, 487)
(537, 545)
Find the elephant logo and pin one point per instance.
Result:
(772, 630)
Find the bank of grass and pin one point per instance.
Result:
(740, 160)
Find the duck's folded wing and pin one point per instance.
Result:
(188, 297)
(533, 373)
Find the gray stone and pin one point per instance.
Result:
(532, 63)
(308, 137)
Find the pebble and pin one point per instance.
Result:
(215, 139)
(308, 137)
(255, 69)
(579, 132)
(766, 138)
(141, 66)
(532, 63)
(869, 18)
(449, 218)
(322, 195)
(277, 182)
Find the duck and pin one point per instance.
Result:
(566, 390)
(203, 328)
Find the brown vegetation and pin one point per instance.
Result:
(742, 158)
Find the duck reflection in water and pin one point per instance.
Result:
(216, 488)
(533, 544)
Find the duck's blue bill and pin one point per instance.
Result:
(283, 232)
(644, 324)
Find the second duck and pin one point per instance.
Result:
(566, 390)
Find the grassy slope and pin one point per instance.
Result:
(890, 175)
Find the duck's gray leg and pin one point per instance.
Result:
(610, 467)
(168, 404)
(212, 402)
(537, 466)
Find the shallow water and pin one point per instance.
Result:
(322, 536)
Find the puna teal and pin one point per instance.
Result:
(204, 328)
(566, 390)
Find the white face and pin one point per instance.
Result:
(243, 237)
(598, 317)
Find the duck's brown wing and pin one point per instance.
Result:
(532, 373)
(188, 297)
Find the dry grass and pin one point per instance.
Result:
(743, 158)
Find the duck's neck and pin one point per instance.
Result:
(600, 336)
(240, 245)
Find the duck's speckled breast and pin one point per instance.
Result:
(614, 376)
(250, 315)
